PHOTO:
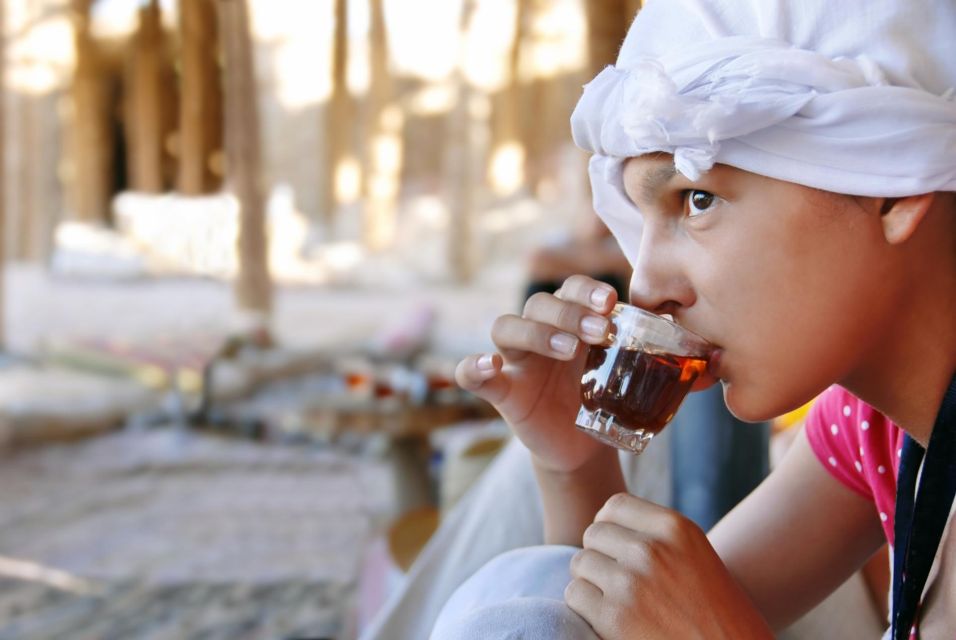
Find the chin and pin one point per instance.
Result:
(753, 405)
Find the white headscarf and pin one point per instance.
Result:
(850, 96)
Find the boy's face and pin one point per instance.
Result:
(795, 285)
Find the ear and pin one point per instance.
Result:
(901, 216)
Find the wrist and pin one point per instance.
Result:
(604, 459)
(571, 498)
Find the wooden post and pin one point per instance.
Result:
(3, 173)
(200, 105)
(463, 163)
(607, 25)
(90, 132)
(337, 117)
(144, 115)
(383, 145)
(244, 158)
(633, 6)
(507, 169)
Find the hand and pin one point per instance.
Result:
(535, 380)
(647, 572)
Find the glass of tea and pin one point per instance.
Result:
(633, 383)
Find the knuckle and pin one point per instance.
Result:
(632, 585)
(567, 317)
(573, 286)
(572, 591)
(536, 300)
(576, 561)
(642, 558)
(654, 555)
(593, 533)
(616, 503)
(577, 281)
(626, 584)
(502, 328)
(678, 529)
(500, 325)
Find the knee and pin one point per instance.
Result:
(522, 587)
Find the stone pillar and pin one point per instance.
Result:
(200, 102)
(244, 158)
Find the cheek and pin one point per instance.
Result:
(792, 325)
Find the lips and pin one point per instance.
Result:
(713, 364)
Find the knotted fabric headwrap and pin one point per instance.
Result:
(853, 97)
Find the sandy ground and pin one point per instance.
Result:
(165, 534)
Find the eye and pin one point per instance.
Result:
(699, 202)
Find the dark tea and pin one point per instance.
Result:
(641, 389)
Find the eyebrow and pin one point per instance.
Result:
(651, 183)
(655, 180)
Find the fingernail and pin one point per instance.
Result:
(563, 343)
(594, 326)
(486, 363)
(599, 297)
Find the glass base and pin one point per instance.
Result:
(605, 428)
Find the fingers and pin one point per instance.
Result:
(571, 318)
(482, 375)
(583, 598)
(636, 514)
(604, 572)
(588, 292)
(611, 539)
(517, 337)
(555, 325)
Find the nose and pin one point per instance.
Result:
(659, 282)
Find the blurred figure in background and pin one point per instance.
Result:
(590, 249)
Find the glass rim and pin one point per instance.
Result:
(704, 343)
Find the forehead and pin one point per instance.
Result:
(647, 178)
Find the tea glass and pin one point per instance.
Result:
(634, 383)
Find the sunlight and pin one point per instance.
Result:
(119, 18)
(33, 572)
(296, 38)
(433, 99)
(488, 44)
(558, 42)
(506, 172)
(348, 180)
(424, 36)
(42, 59)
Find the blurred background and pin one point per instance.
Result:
(245, 242)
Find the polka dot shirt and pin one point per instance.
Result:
(860, 447)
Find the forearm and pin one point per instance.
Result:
(572, 499)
